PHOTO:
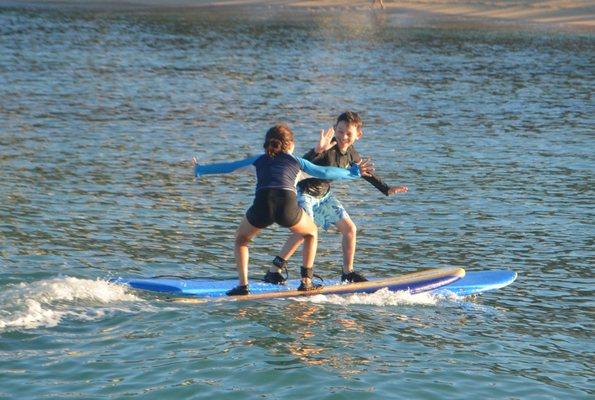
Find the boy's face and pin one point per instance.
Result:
(346, 134)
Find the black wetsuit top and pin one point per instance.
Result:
(333, 157)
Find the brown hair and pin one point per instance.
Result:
(352, 118)
(278, 139)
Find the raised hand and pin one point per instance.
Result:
(397, 189)
(325, 140)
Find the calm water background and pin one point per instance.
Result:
(491, 129)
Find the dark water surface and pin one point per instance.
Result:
(491, 130)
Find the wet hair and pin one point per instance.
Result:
(352, 118)
(278, 139)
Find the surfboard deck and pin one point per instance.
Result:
(190, 290)
(477, 282)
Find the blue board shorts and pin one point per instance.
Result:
(325, 210)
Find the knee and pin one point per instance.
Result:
(299, 238)
(310, 235)
(242, 240)
(350, 230)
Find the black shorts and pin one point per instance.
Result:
(274, 205)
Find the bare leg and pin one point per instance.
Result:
(309, 232)
(349, 232)
(379, 2)
(244, 234)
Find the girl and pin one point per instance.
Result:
(275, 201)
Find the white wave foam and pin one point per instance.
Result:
(47, 302)
(383, 297)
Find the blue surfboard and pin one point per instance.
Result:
(478, 282)
(416, 282)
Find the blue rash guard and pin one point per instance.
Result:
(275, 199)
(280, 171)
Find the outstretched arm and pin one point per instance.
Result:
(368, 174)
(221, 168)
(384, 188)
(329, 173)
(397, 189)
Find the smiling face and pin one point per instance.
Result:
(346, 134)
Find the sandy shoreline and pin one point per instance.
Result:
(570, 14)
(575, 12)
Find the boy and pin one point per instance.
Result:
(316, 198)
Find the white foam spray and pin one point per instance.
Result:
(383, 297)
(45, 303)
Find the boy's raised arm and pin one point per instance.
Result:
(325, 141)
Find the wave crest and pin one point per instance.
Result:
(47, 302)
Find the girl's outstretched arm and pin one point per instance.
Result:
(330, 173)
(221, 168)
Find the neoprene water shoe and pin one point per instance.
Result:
(240, 290)
(275, 278)
(352, 277)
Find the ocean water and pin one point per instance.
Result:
(490, 127)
